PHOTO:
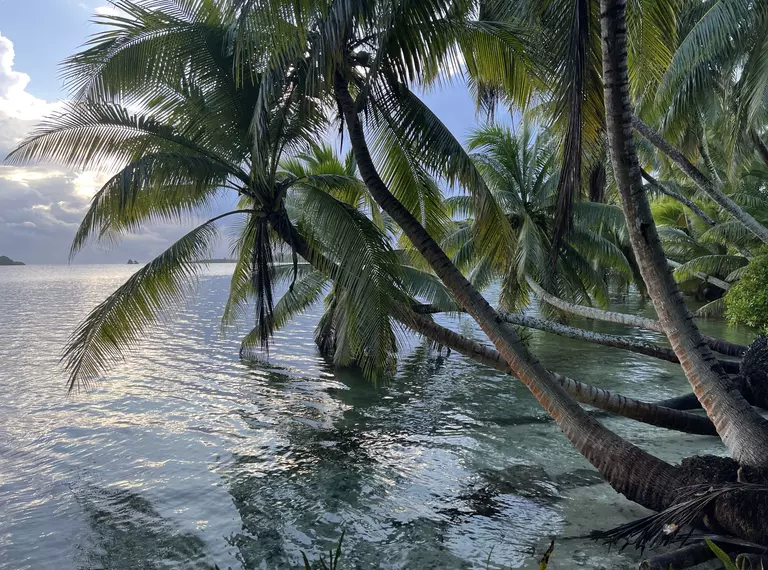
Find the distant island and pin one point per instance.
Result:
(5, 260)
(132, 262)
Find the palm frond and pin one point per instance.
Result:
(715, 265)
(118, 322)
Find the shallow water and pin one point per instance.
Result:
(186, 456)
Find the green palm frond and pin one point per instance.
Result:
(680, 245)
(88, 135)
(715, 265)
(736, 274)
(156, 187)
(427, 287)
(597, 216)
(409, 182)
(713, 309)
(366, 275)
(119, 321)
(731, 233)
(417, 128)
(600, 251)
(719, 28)
(304, 293)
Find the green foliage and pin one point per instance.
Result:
(519, 169)
(721, 555)
(747, 301)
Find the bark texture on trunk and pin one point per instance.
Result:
(575, 333)
(584, 393)
(741, 428)
(709, 188)
(686, 557)
(716, 344)
(630, 470)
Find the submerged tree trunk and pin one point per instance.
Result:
(716, 344)
(709, 188)
(638, 475)
(584, 393)
(741, 428)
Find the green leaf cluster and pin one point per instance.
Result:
(747, 301)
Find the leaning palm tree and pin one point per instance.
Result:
(368, 54)
(186, 146)
(715, 83)
(426, 294)
(198, 39)
(743, 430)
(258, 77)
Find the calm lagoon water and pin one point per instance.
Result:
(186, 456)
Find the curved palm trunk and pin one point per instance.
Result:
(741, 428)
(575, 333)
(690, 204)
(583, 393)
(693, 206)
(716, 344)
(638, 475)
(709, 188)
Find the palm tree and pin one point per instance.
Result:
(422, 285)
(519, 169)
(743, 430)
(716, 82)
(229, 103)
(186, 146)
(212, 95)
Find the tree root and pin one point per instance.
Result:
(685, 557)
(718, 496)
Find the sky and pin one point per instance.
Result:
(41, 205)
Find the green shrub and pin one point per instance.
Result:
(747, 301)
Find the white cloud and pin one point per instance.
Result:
(15, 101)
(41, 205)
(108, 11)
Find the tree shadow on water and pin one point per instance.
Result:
(127, 533)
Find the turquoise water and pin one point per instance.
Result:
(185, 456)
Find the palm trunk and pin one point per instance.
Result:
(762, 149)
(693, 206)
(741, 428)
(709, 188)
(589, 395)
(575, 333)
(716, 344)
(638, 475)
